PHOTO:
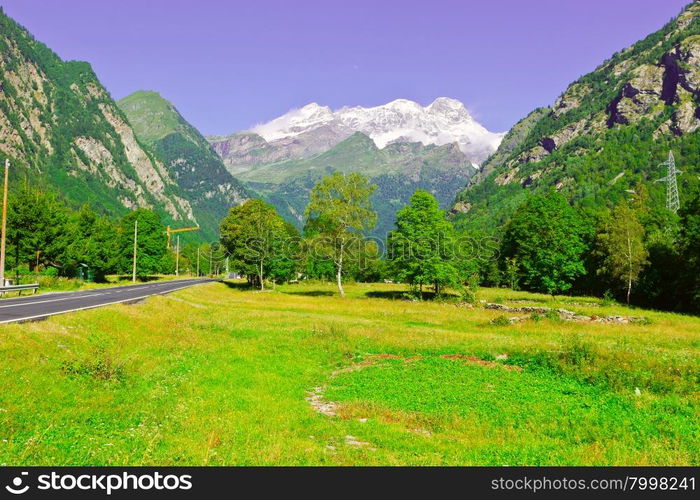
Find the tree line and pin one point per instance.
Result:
(628, 251)
(48, 237)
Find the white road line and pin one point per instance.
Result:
(52, 300)
(46, 315)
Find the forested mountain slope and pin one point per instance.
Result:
(187, 156)
(60, 128)
(398, 170)
(605, 134)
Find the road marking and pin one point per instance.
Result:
(46, 315)
(52, 300)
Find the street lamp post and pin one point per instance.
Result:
(136, 238)
(3, 236)
(177, 257)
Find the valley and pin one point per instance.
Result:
(385, 284)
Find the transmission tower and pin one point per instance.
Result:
(672, 202)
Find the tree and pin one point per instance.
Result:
(690, 244)
(338, 212)
(253, 234)
(548, 239)
(92, 242)
(37, 222)
(421, 247)
(284, 263)
(511, 271)
(152, 243)
(620, 242)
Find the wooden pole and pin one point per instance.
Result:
(136, 238)
(198, 262)
(177, 257)
(3, 237)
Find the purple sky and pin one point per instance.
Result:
(227, 65)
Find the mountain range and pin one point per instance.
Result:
(443, 122)
(401, 146)
(602, 139)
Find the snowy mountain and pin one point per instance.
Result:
(444, 121)
(400, 146)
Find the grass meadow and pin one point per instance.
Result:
(221, 375)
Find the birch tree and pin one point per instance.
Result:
(620, 243)
(339, 211)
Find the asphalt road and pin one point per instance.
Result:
(40, 306)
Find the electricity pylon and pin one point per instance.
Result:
(672, 202)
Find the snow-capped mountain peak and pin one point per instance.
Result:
(444, 121)
(295, 122)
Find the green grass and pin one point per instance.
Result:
(217, 374)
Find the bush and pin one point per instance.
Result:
(500, 321)
(50, 272)
(577, 352)
(608, 299)
(470, 288)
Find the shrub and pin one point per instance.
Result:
(608, 299)
(500, 321)
(100, 367)
(577, 352)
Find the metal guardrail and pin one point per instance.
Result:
(18, 288)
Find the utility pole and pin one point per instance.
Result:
(4, 224)
(211, 260)
(227, 265)
(177, 257)
(198, 262)
(136, 239)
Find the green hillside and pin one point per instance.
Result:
(153, 117)
(607, 133)
(397, 170)
(61, 130)
(199, 171)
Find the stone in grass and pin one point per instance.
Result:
(353, 441)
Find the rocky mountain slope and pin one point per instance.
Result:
(59, 127)
(187, 156)
(605, 134)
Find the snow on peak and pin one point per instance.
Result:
(295, 122)
(444, 121)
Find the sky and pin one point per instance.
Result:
(228, 65)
